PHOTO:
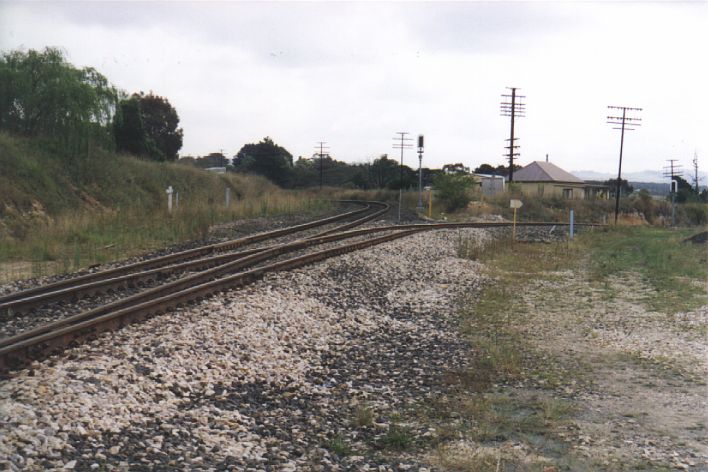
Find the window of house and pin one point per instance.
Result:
(567, 193)
(540, 190)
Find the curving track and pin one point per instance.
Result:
(199, 258)
(215, 272)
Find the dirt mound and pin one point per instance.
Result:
(700, 238)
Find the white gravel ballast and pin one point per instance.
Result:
(261, 378)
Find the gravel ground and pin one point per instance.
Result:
(11, 324)
(271, 377)
(641, 374)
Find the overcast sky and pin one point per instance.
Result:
(353, 74)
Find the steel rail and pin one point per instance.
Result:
(205, 282)
(198, 278)
(135, 279)
(38, 342)
(5, 301)
(87, 287)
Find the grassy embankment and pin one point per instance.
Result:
(518, 391)
(58, 215)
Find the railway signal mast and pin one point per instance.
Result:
(625, 122)
(420, 171)
(673, 170)
(321, 146)
(513, 107)
(401, 142)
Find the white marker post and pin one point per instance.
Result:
(572, 223)
(228, 197)
(514, 204)
(169, 192)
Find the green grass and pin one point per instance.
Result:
(339, 446)
(511, 392)
(58, 215)
(675, 271)
(397, 438)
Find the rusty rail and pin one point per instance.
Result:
(140, 272)
(48, 338)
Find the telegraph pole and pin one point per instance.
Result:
(420, 171)
(512, 107)
(321, 154)
(695, 172)
(673, 170)
(625, 122)
(403, 144)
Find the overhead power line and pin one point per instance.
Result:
(696, 180)
(626, 123)
(673, 171)
(322, 148)
(513, 107)
(401, 142)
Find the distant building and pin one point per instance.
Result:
(458, 168)
(491, 184)
(544, 179)
(216, 170)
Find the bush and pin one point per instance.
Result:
(694, 213)
(454, 190)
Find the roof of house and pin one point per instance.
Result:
(540, 171)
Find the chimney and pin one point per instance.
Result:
(546, 157)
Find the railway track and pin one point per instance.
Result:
(199, 258)
(217, 273)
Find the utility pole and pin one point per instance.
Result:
(403, 144)
(321, 154)
(673, 170)
(420, 171)
(625, 122)
(695, 172)
(513, 107)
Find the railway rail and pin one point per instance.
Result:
(199, 258)
(218, 273)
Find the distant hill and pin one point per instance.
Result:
(646, 176)
(653, 181)
(652, 187)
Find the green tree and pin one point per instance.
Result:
(41, 94)
(161, 122)
(148, 127)
(486, 169)
(454, 190)
(685, 192)
(383, 171)
(305, 172)
(267, 159)
(625, 187)
(128, 128)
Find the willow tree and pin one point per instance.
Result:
(42, 95)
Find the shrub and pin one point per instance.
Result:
(454, 190)
(695, 213)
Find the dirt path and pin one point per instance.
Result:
(638, 377)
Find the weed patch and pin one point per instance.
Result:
(339, 446)
(676, 271)
(397, 438)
